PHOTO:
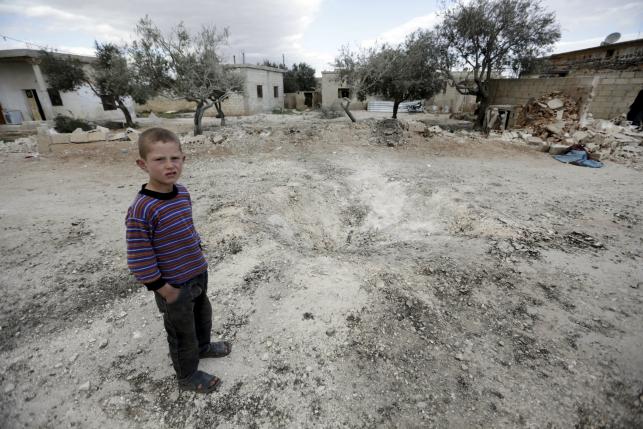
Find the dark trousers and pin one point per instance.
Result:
(188, 321)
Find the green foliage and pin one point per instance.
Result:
(65, 124)
(494, 35)
(268, 63)
(186, 65)
(64, 72)
(301, 77)
(109, 75)
(408, 71)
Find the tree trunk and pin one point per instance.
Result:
(217, 105)
(396, 104)
(483, 103)
(198, 117)
(123, 108)
(345, 107)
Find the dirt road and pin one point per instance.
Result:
(448, 282)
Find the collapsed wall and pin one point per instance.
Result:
(612, 92)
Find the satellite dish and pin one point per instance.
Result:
(612, 38)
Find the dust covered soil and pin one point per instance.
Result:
(450, 281)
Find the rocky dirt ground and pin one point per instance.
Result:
(450, 281)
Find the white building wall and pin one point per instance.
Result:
(82, 104)
(268, 80)
(14, 79)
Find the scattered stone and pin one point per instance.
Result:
(555, 104)
(103, 343)
(459, 356)
(136, 335)
(331, 331)
(73, 358)
(9, 387)
(265, 357)
(556, 128)
(308, 316)
(557, 149)
(84, 387)
(217, 139)
(309, 369)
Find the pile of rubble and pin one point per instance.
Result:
(551, 115)
(553, 124)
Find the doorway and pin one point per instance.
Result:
(34, 105)
(308, 99)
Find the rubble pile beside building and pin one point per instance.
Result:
(554, 123)
(551, 115)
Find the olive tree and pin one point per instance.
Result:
(408, 71)
(110, 76)
(487, 36)
(188, 66)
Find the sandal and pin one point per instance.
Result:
(216, 350)
(200, 382)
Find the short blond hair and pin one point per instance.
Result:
(155, 135)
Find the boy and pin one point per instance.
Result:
(164, 253)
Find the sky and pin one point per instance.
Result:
(310, 31)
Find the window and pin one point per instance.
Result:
(54, 97)
(109, 102)
(343, 93)
(276, 90)
(610, 53)
(259, 91)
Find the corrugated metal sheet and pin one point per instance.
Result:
(387, 106)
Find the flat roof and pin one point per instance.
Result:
(256, 67)
(8, 54)
(599, 48)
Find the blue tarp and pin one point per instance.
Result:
(579, 157)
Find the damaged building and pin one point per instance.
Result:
(607, 80)
(263, 92)
(26, 96)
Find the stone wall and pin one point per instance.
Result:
(605, 95)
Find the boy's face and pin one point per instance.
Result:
(163, 163)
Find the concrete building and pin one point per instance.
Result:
(616, 56)
(26, 96)
(333, 91)
(450, 100)
(263, 92)
(607, 79)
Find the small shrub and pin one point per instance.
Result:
(331, 112)
(66, 124)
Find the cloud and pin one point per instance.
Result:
(260, 28)
(397, 34)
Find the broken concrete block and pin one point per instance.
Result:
(580, 136)
(78, 137)
(78, 131)
(132, 134)
(559, 114)
(435, 130)
(555, 128)
(555, 103)
(544, 147)
(596, 156)
(60, 138)
(116, 136)
(534, 141)
(99, 128)
(417, 127)
(557, 149)
(217, 139)
(44, 140)
(96, 136)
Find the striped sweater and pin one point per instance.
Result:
(162, 243)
